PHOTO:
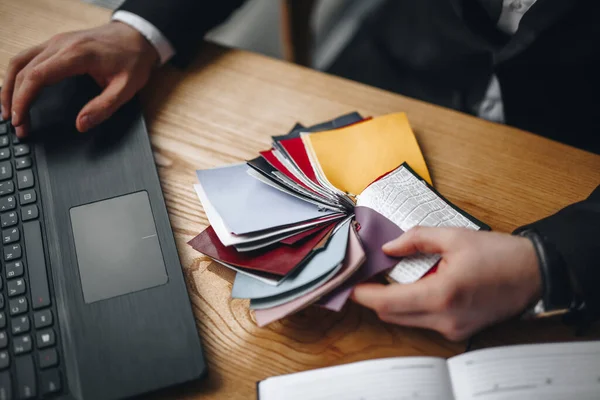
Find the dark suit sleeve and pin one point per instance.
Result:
(183, 22)
(572, 237)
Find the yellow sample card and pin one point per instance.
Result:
(353, 157)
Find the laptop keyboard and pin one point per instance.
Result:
(29, 356)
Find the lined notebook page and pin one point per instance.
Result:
(548, 372)
(422, 378)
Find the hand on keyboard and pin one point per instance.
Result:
(117, 56)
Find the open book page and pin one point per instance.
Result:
(423, 378)
(407, 201)
(544, 371)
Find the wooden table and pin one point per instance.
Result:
(224, 108)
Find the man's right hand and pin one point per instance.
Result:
(117, 56)
(483, 278)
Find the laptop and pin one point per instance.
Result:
(93, 303)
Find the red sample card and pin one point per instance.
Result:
(271, 159)
(279, 260)
(297, 152)
(303, 235)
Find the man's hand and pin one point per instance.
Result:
(483, 278)
(117, 56)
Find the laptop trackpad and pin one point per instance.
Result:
(118, 251)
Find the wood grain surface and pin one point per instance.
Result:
(224, 108)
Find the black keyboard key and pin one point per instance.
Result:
(27, 197)
(5, 153)
(18, 306)
(9, 219)
(38, 276)
(50, 382)
(6, 171)
(3, 339)
(5, 386)
(20, 325)
(7, 187)
(21, 150)
(3, 129)
(1, 300)
(23, 162)
(24, 179)
(22, 344)
(15, 139)
(3, 140)
(16, 287)
(2, 320)
(14, 269)
(29, 212)
(11, 235)
(12, 252)
(48, 358)
(42, 319)
(45, 338)
(4, 359)
(25, 377)
(7, 203)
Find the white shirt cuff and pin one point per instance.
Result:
(162, 45)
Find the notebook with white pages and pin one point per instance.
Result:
(540, 372)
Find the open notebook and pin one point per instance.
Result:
(541, 371)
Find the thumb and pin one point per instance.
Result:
(119, 91)
(420, 240)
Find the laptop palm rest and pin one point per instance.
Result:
(124, 314)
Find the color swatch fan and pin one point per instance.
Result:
(305, 221)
